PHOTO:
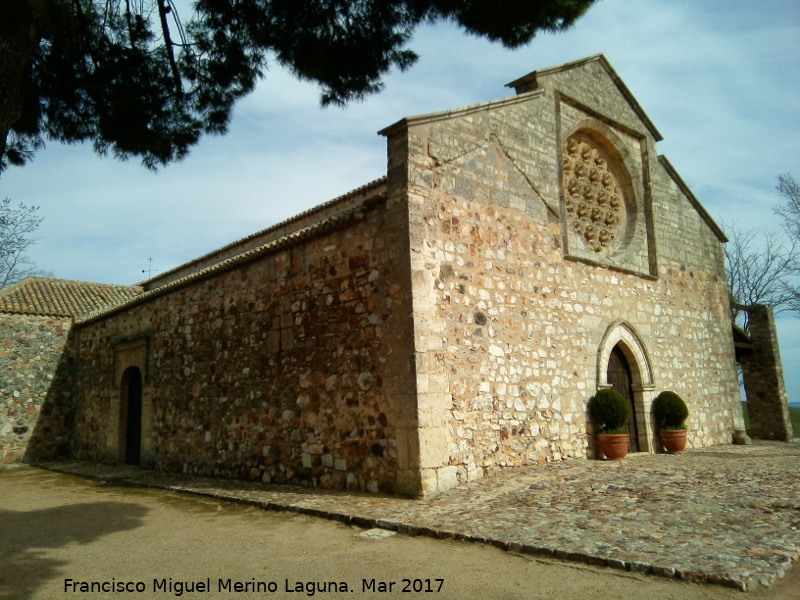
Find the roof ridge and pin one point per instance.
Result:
(289, 239)
(55, 297)
(307, 213)
(31, 278)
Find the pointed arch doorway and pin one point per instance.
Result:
(620, 378)
(131, 416)
(623, 363)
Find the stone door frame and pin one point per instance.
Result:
(127, 355)
(622, 334)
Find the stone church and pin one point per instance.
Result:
(447, 320)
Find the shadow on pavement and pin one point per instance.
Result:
(26, 536)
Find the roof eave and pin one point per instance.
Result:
(704, 214)
(424, 119)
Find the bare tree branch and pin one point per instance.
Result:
(789, 190)
(764, 267)
(17, 223)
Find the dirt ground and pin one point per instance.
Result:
(57, 530)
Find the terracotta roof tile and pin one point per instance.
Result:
(62, 298)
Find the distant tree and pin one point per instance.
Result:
(764, 267)
(17, 224)
(136, 81)
(789, 190)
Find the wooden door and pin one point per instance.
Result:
(619, 376)
(133, 414)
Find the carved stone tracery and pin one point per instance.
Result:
(594, 202)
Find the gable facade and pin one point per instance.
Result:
(545, 232)
(446, 321)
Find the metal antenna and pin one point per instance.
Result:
(149, 270)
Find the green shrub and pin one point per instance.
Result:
(610, 411)
(670, 411)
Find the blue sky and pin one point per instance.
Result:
(720, 80)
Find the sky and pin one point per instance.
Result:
(720, 79)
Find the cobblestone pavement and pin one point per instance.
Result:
(728, 514)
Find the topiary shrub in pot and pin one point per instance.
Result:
(671, 413)
(611, 413)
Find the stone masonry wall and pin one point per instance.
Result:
(767, 401)
(35, 417)
(508, 329)
(290, 368)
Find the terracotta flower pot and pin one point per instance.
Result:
(614, 445)
(673, 440)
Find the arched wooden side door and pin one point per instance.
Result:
(620, 378)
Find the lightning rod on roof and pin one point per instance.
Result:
(149, 270)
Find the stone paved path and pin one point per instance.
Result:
(728, 515)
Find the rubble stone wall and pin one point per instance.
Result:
(289, 368)
(509, 325)
(767, 401)
(35, 413)
(457, 325)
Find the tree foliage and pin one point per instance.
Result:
(135, 80)
(764, 267)
(17, 224)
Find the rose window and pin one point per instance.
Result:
(594, 201)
